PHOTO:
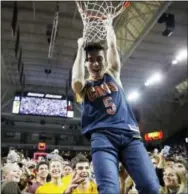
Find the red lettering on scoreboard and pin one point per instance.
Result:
(41, 146)
(157, 135)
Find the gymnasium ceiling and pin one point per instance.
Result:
(144, 50)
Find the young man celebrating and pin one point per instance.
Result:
(56, 186)
(81, 167)
(108, 121)
(42, 173)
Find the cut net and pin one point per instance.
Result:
(96, 15)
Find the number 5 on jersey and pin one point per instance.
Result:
(109, 105)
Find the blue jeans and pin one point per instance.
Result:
(108, 149)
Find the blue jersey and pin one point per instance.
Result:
(105, 106)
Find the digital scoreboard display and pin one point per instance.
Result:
(43, 105)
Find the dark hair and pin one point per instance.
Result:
(41, 163)
(93, 47)
(67, 165)
(66, 160)
(78, 159)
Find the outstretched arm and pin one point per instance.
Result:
(78, 70)
(113, 59)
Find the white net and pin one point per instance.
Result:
(96, 15)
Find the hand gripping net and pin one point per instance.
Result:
(96, 15)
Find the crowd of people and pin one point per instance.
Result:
(55, 175)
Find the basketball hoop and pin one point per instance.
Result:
(96, 15)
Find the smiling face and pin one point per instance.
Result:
(67, 170)
(56, 169)
(83, 169)
(170, 178)
(13, 173)
(43, 171)
(95, 63)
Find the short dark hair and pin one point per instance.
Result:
(93, 47)
(67, 165)
(41, 163)
(78, 159)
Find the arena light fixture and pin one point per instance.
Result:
(174, 62)
(182, 55)
(155, 78)
(133, 96)
(53, 96)
(35, 94)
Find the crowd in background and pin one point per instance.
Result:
(55, 175)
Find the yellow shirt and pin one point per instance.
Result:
(66, 180)
(92, 189)
(50, 188)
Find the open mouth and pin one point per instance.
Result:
(167, 181)
(96, 70)
(84, 175)
(56, 172)
(16, 177)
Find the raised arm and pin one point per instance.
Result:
(113, 59)
(78, 70)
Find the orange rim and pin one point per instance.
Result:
(126, 4)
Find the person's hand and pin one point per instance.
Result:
(76, 180)
(110, 34)
(122, 172)
(133, 190)
(81, 42)
(161, 155)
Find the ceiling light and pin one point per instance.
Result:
(53, 96)
(133, 96)
(182, 55)
(174, 62)
(155, 78)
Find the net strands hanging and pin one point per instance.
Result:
(96, 15)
